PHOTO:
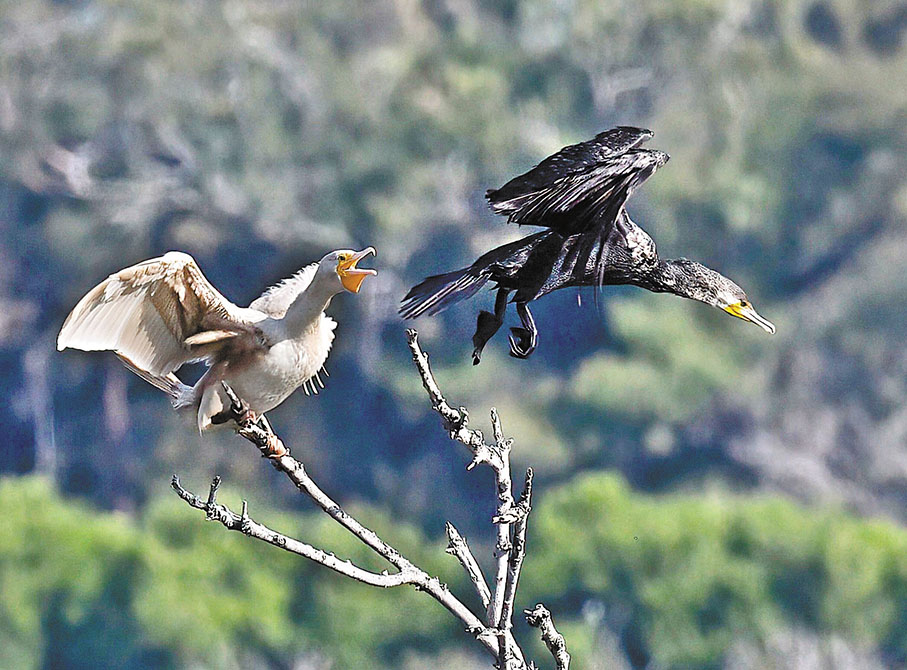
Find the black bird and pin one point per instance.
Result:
(578, 195)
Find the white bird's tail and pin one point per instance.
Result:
(181, 395)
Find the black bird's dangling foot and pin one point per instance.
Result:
(524, 340)
(488, 324)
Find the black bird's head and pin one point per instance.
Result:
(694, 280)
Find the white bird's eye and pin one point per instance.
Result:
(342, 257)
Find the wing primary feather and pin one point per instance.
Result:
(147, 310)
(567, 191)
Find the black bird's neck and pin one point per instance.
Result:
(672, 276)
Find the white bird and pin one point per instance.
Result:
(163, 313)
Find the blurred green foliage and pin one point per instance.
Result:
(83, 588)
(698, 572)
(257, 134)
(680, 576)
(654, 381)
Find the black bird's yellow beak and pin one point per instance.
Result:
(745, 311)
(352, 277)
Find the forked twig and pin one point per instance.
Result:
(510, 518)
(540, 618)
(214, 511)
(259, 432)
(495, 631)
(457, 546)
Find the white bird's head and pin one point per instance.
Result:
(341, 265)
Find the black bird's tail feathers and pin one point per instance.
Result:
(438, 292)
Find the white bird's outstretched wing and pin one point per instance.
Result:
(159, 314)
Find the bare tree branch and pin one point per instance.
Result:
(247, 526)
(455, 420)
(505, 504)
(540, 618)
(517, 553)
(511, 519)
(456, 545)
(496, 456)
(259, 432)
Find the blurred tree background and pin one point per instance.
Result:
(708, 496)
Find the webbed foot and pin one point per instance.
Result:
(522, 342)
(238, 410)
(488, 324)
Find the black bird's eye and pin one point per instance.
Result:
(342, 257)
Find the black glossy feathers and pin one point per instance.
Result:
(578, 195)
(581, 186)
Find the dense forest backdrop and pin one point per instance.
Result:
(707, 496)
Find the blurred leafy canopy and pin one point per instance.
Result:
(680, 577)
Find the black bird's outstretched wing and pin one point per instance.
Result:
(570, 160)
(581, 187)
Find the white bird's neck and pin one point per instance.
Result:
(306, 310)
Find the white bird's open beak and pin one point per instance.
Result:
(352, 277)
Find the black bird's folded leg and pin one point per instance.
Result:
(487, 324)
(524, 340)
